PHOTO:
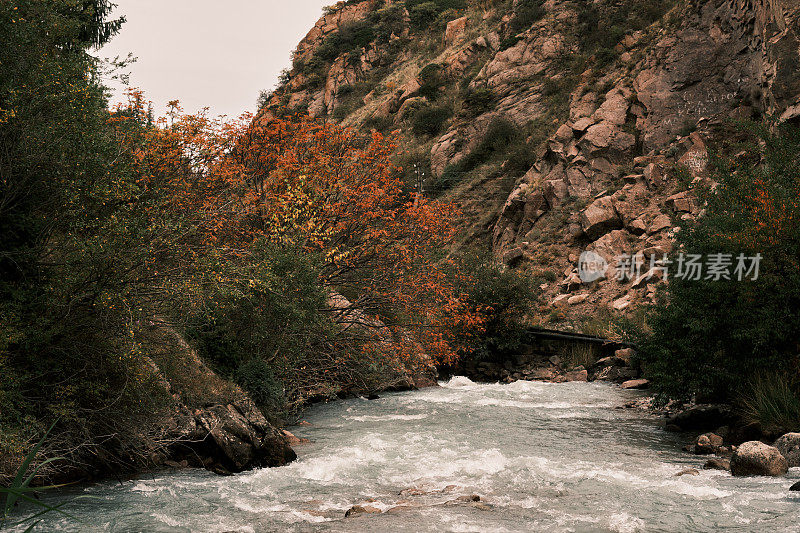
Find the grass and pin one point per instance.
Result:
(773, 401)
(20, 490)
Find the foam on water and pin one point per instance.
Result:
(543, 457)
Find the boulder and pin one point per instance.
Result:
(661, 222)
(681, 202)
(600, 218)
(238, 437)
(455, 29)
(755, 458)
(579, 374)
(702, 418)
(707, 444)
(717, 464)
(636, 384)
(361, 509)
(789, 446)
(795, 487)
(611, 361)
(625, 354)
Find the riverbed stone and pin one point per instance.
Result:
(707, 444)
(789, 446)
(755, 458)
(717, 464)
(361, 509)
(577, 375)
(636, 384)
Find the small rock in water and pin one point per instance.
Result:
(361, 509)
(688, 471)
(717, 464)
(221, 470)
(292, 439)
(482, 506)
(469, 498)
(373, 396)
(303, 423)
(795, 487)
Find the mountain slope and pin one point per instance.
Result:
(558, 126)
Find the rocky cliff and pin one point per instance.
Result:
(558, 126)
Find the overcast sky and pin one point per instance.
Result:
(208, 53)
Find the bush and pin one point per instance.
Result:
(479, 101)
(708, 337)
(422, 14)
(525, 14)
(429, 120)
(504, 298)
(773, 401)
(430, 78)
(348, 38)
(500, 134)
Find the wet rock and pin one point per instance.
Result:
(361, 509)
(702, 418)
(577, 375)
(717, 464)
(795, 487)
(292, 439)
(707, 444)
(789, 446)
(469, 498)
(636, 384)
(688, 472)
(755, 458)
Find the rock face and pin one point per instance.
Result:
(789, 446)
(606, 146)
(758, 459)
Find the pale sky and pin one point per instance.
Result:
(210, 53)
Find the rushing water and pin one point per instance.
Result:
(542, 457)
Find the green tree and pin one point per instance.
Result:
(711, 337)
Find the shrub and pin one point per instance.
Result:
(499, 135)
(504, 297)
(348, 38)
(422, 14)
(479, 101)
(429, 120)
(430, 78)
(708, 337)
(526, 13)
(773, 401)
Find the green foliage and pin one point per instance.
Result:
(773, 400)
(348, 38)
(602, 26)
(479, 101)
(429, 120)
(504, 297)
(422, 14)
(500, 134)
(526, 13)
(431, 77)
(510, 42)
(709, 337)
(258, 330)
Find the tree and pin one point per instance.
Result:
(711, 337)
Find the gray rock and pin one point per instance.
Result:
(755, 458)
(789, 446)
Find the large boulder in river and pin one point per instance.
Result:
(789, 446)
(755, 458)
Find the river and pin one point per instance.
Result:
(542, 457)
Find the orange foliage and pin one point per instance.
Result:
(321, 187)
